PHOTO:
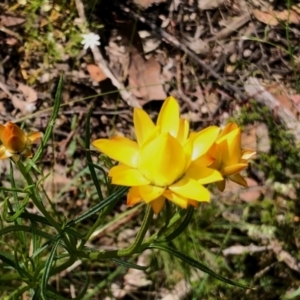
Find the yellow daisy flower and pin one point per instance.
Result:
(164, 163)
(15, 142)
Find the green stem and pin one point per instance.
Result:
(38, 203)
(134, 248)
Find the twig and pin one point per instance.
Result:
(100, 61)
(232, 27)
(181, 45)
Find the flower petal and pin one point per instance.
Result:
(227, 129)
(14, 144)
(13, 138)
(247, 154)
(133, 196)
(34, 136)
(191, 189)
(120, 149)
(168, 118)
(143, 125)
(237, 178)
(127, 176)
(150, 192)
(233, 169)
(230, 147)
(183, 131)
(203, 175)
(158, 204)
(4, 153)
(176, 199)
(203, 140)
(162, 160)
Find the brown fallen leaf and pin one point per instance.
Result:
(144, 79)
(9, 21)
(209, 4)
(273, 17)
(29, 93)
(285, 100)
(96, 73)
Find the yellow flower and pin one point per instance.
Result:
(228, 156)
(164, 163)
(15, 142)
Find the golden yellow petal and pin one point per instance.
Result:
(183, 131)
(143, 125)
(14, 144)
(203, 141)
(162, 160)
(150, 192)
(133, 196)
(120, 149)
(233, 169)
(34, 137)
(247, 154)
(13, 138)
(227, 129)
(176, 199)
(191, 189)
(203, 175)
(168, 118)
(4, 153)
(237, 178)
(158, 204)
(230, 147)
(127, 176)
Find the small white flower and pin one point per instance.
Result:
(90, 40)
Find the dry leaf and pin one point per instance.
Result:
(273, 18)
(29, 93)
(144, 79)
(9, 21)
(285, 100)
(96, 73)
(209, 4)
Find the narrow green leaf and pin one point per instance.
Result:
(22, 272)
(43, 220)
(88, 154)
(50, 125)
(8, 259)
(54, 295)
(30, 229)
(17, 293)
(195, 263)
(13, 217)
(47, 270)
(129, 265)
(110, 199)
(84, 290)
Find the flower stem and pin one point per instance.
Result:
(135, 247)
